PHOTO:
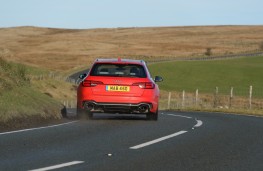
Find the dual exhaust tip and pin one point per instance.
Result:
(90, 106)
(141, 108)
(144, 108)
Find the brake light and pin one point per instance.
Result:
(145, 85)
(90, 83)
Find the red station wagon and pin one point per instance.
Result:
(118, 86)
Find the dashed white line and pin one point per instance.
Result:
(198, 124)
(58, 166)
(31, 129)
(157, 140)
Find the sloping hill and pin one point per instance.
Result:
(63, 49)
(21, 103)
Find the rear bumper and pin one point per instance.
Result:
(117, 103)
(104, 107)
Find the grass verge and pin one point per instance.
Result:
(26, 100)
(23, 105)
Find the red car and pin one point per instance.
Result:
(118, 86)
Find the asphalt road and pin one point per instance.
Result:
(178, 141)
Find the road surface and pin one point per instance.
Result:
(177, 141)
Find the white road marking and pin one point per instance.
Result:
(157, 140)
(248, 115)
(58, 166)
(31, 129)
(179, 116)
(199, 123)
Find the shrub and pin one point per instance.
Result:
(208, 52)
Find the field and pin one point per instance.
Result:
(66, 49)
(207, 75)
(192, 85)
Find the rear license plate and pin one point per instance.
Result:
(117, 88)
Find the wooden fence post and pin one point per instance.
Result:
(231, 97)
(250, 96)
(196, 97)
(183, 99)
(216, 98)
(169, 100)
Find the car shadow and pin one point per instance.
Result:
(70, 113)
(118, 117)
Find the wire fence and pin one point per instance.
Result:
(55, 76)
(249, 100)
(202, 57)
(203, 101)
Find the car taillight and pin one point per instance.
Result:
(90, 83)
(145, 85)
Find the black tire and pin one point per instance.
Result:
(152, 116)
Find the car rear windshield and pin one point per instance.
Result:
(118, 70)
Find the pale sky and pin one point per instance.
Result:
(129, 13)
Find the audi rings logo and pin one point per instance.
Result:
(117, 81)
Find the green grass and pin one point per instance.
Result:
(19, 99)
(206, 75)
(23, 102)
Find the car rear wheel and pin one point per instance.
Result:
(152, 116)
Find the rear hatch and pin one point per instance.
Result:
(117, 86)
(117, 79)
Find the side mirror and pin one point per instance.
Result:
(158, 79)
(82, 76)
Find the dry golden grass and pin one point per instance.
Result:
(66, 49)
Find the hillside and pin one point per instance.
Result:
(20, 102)
(64, 49)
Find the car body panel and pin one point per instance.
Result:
(118, 86)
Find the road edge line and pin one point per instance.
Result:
(31, 129)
